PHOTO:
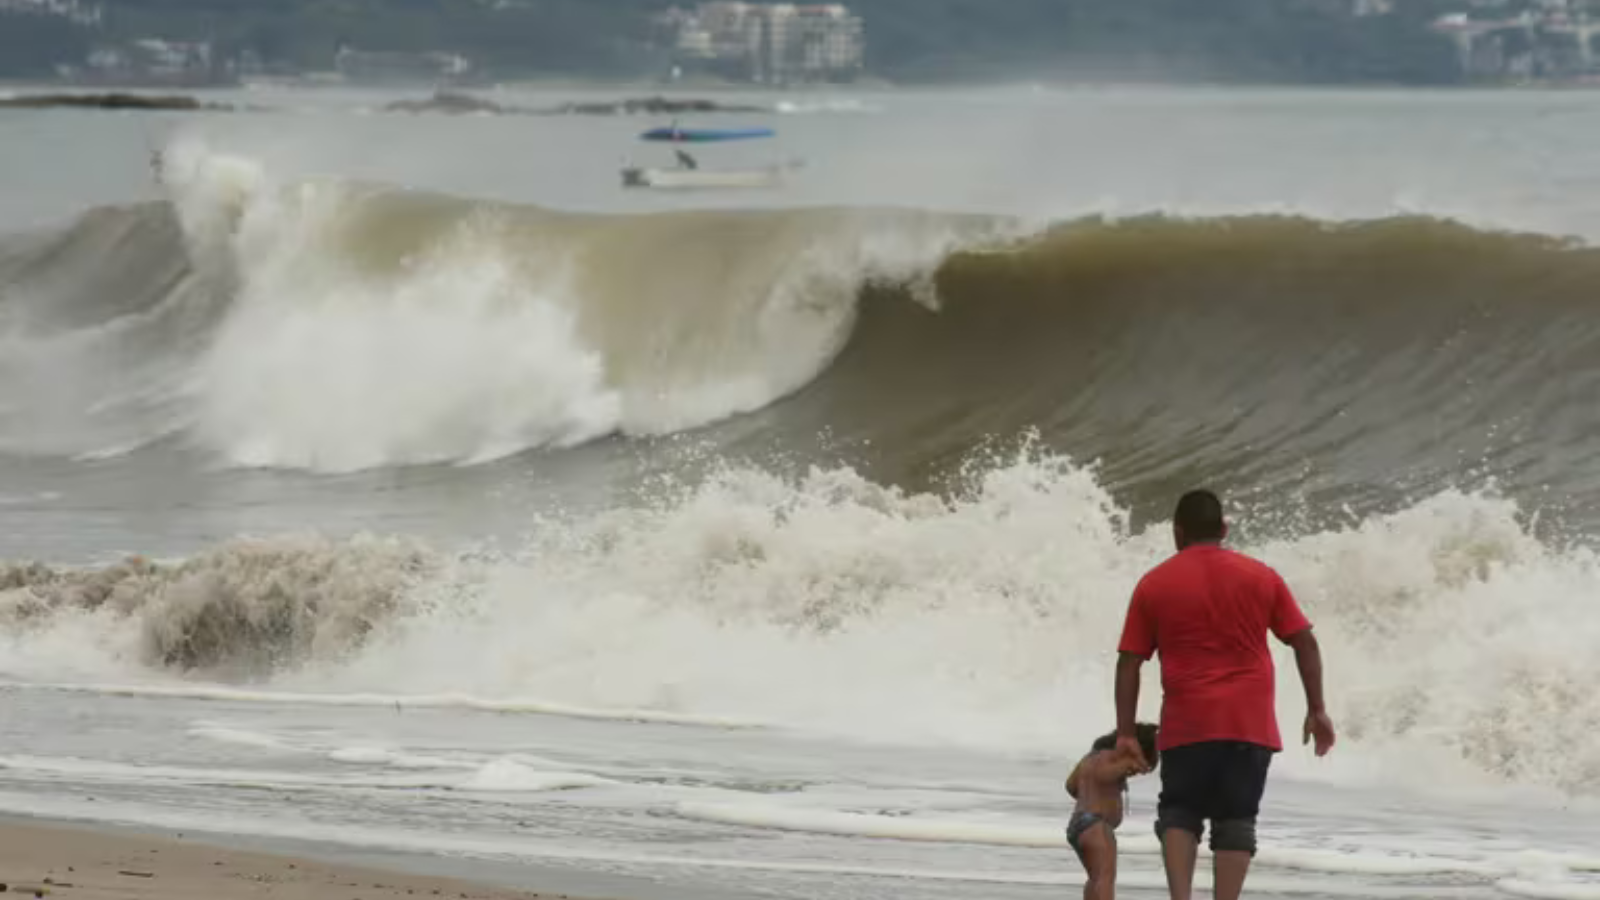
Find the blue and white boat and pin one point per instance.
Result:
(688, 174)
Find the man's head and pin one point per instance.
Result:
(1198, 520)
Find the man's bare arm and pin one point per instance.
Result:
(1308, 658)
(1128, 666)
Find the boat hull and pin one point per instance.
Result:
(702, 179)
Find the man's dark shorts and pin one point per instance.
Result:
(1219, 781)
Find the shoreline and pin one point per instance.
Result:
(868, 87)
(104, 861)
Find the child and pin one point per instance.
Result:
(1098, 783)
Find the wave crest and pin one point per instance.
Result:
(338, 326)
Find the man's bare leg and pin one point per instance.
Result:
(1228, 869)
(1178, 851)
(1231, 843)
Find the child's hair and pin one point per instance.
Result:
(1147, 742)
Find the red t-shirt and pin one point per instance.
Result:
(1207, 610)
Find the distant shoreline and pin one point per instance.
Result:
(441, 103)
(118, 100)
(647, 97)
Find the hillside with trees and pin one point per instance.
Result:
(909, 41)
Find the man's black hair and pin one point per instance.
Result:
(1199, 514)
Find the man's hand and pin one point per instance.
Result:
(1128, 749)
(1320, 727)
(1308, 658)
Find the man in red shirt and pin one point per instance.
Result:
(1207, 611)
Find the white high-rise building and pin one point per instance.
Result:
(775, 43)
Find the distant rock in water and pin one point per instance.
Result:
(452, 104)
(109, 101)
(654, 106)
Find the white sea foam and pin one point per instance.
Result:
(90, 770)
(1543, 890)
(379, 756)
(509, 775)
(241, 737)
(903, 828)
(1457, 644)
(398, 701)
(835, 605)
(1134, 838)
(503, 775)
(364, 756)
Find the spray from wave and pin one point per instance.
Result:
(247, 610)
(1457, 642)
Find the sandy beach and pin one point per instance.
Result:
(72, 862)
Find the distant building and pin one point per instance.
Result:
(155, 62)
(1557, 40)
(777, 43)
(72, 10)
(389, 67)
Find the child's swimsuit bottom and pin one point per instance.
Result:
(1079, 823)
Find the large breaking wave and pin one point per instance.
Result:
(337, 326)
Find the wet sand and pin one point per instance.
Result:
(76, 863)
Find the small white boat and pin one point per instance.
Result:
(680, 178)
(688, 173)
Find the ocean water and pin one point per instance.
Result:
(404, 483)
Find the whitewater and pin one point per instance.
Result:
(412, 489)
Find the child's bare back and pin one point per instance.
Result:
(1098, 783)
